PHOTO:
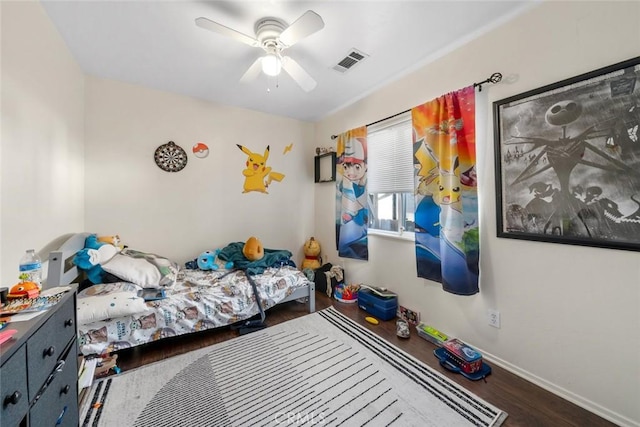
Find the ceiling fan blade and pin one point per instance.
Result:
(298, 74)
(252, 72)
(210, 25)
(307, 24)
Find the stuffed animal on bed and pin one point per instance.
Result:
(112, 240)
(209, 260)
(253, 249)
(94, 254)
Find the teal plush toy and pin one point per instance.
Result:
(88, 259)
(209, 260)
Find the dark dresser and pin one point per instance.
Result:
(39, 369)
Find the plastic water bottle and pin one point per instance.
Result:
(31, 268)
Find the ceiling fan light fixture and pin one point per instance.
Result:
(271, 64)
(273, 36)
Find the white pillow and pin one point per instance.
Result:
(135, 270)
(108, 288)
(143, 269)
(102, 255)
(116, 304)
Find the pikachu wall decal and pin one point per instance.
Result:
(257, 175)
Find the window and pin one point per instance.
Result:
(390, 175)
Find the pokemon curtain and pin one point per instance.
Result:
(352, 212)
(446, 216)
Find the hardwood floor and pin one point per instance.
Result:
(527, 404)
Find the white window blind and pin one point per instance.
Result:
(390, 156)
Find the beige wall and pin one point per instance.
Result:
(570, 314)
(202, 207)
(42, 164)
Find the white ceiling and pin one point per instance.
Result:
(157, 44)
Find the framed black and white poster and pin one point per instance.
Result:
(568, 160)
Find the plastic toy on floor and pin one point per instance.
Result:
(107, 366)
(457, 356)
(402, 328)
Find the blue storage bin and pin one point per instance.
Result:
(383, 308)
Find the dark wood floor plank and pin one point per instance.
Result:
(527, 404)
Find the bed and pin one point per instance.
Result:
(111, 316)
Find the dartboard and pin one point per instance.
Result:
(170, 157)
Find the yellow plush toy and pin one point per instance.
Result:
(112, 240)
(312, 257)
(253, 249)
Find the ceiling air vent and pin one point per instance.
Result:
(352, 58)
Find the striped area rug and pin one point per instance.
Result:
(322, 369)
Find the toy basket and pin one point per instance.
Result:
(346, 293)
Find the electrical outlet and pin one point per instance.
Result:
(494, 318)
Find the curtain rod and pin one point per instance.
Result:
(495, 78)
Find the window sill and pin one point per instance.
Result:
(406, 235)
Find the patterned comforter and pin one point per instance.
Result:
(199, 300)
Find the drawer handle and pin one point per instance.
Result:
(68, 322)
(66, 389)
(12, 399)
(49, 352)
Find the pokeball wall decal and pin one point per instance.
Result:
(200, 150)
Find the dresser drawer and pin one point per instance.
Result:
(46, 345)
(13, 389)
(58, 403)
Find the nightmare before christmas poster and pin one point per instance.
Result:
(568, 160)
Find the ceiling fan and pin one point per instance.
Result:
(274, 36)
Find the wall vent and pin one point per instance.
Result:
(352, 58)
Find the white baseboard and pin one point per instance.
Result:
(561, 392)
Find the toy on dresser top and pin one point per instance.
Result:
(24, 290)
